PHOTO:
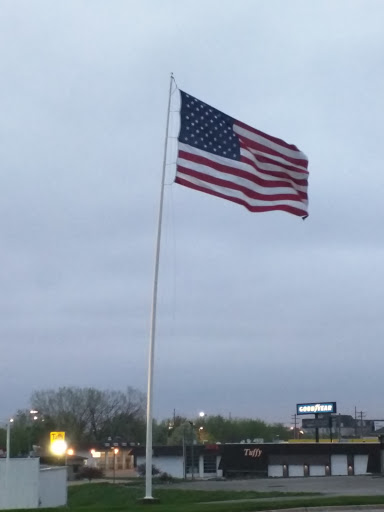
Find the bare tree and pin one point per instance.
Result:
(90, 414)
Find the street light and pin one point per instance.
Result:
(59, 447)
(115, 452)
(33, 416)
(9, 438)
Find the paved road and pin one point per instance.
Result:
(333, 485)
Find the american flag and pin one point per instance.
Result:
(226, 158)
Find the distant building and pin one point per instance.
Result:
(343, 426)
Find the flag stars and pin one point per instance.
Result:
(207, 129)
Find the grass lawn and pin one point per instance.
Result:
(106, 497)
(125, 497)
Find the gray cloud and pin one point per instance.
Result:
(256, 312)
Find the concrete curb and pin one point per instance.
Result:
(330, 508)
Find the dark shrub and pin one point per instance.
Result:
(89, 473)
(165, 478)
(141, 470)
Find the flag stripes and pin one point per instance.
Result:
(226, 158)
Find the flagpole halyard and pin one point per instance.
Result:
(148, 454)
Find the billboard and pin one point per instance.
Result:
(316, 408)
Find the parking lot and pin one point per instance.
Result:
(331, 486)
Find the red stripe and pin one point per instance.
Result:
(266, 160)
(248, 143)
(282, 207)
(280, 142)
(234, 171)
(276, 174)
(252, 194)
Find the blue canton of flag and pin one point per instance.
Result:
(207, 128)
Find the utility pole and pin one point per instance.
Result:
(294, 419)
(360, 414)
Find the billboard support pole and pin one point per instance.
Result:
(317, 429)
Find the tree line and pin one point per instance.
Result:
(91, 415)
(218, 429)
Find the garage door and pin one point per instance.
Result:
(295, 470)
(316, 470)
(275, 470)
(360, 463)
(339, 465)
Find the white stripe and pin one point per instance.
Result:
(292, 153)
(243, 182)
(229, 192)
(277, 159)
(247, 167)
(273, 167)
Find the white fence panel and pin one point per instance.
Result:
(19, 483)
(53, 487)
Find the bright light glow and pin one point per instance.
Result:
(11, 420)
(33, 412)
(201, 414)
(35, 418)
(70, 451)
(201, 428)
(59, 447)
(93, 451)
(115, 451)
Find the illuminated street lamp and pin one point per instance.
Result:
(9, 437)
(115, 452)
(59, 447)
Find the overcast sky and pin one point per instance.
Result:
(256, 312)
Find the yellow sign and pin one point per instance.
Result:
(57, 436)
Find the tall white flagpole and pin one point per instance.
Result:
(148, 453)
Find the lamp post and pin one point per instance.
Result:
(10, 421)
(192, 451)
(115, 452)
(33, 416)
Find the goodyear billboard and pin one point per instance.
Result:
(316, 408)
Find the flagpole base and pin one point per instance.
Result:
(149, 501)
